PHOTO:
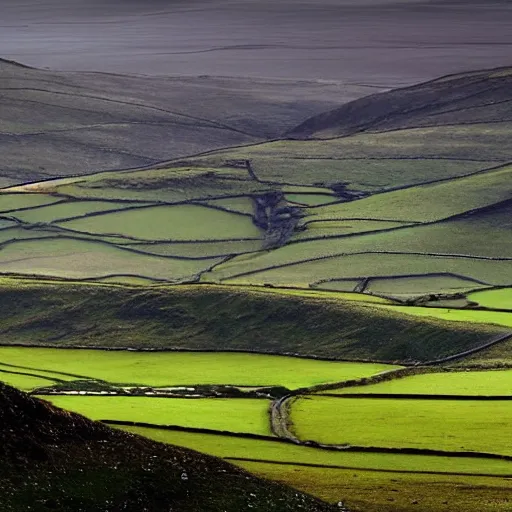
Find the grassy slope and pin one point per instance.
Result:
(213, 318)
(368, 491)
(51, 459)
(475, 383)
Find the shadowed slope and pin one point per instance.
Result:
(54, 460)
(225, 318)
(479, 97)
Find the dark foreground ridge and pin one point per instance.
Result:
(55, 460)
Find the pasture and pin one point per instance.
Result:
(161, 369)
(495, 299)
(180, 222)
(448, 425)
(466, 383)
(233, 415)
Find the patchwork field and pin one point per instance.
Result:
(332, 310)
(376, 431)
(184, 225)
(167, 397)
(413, 205)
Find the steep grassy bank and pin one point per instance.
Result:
(224, 318)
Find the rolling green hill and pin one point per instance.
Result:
(211, 318)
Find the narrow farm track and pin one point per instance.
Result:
(279, 418)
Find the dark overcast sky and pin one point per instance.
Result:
(372, 41)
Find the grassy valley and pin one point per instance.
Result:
(331, 310)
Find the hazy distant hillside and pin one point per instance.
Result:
(60, 124)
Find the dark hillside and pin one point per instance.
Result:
(55, 460)
(479, 97)
(225, 318)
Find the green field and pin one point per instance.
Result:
(408, 286)
(337, 228)
(180, 222)
(71, 259)
(24, 382)
(206, 248)
(10, 202)
(66, 210)
(182, 368)
(497, 299)
(445, 424)
(473, 383)
(234, 415)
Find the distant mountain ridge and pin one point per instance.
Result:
(476, 97)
